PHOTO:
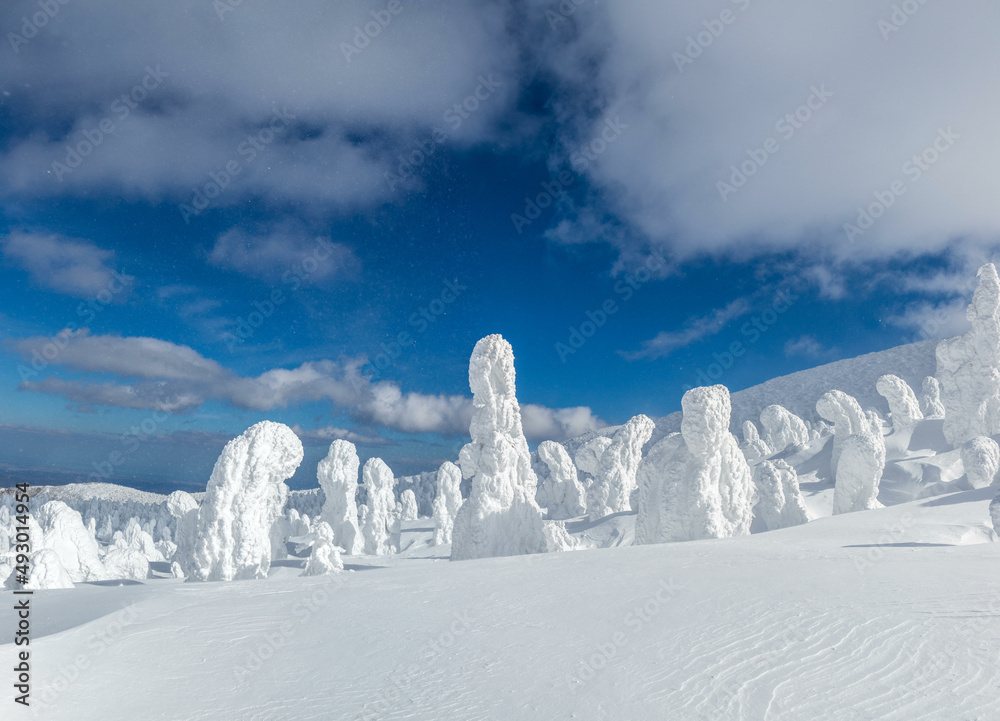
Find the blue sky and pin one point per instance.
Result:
(379, 206)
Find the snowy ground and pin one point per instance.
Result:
(888, 614)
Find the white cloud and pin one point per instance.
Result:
(176, 378)
(282, 249)
(66, 265)
(689, 126)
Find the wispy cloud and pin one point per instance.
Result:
(666, 342)
(66, 265)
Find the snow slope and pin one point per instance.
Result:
(887, 614)
(798, 392)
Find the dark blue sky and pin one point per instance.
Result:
(372, 289)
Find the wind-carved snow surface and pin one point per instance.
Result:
(981, 459)
(783, 429)
(447, 501)
(862, 460)
(325, 556)
(338, 477)
(500, 517)
(561, 492)
(780, 502)
(408, 501)
(904, 408)
(754, 448)
(615, 478)
(381, 523)
(930, 398)
(847, 417)
(698, 484)
(968, 367)
(245, 495)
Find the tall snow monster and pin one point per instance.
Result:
(501, 516)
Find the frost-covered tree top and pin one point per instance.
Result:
(930, 398)
(859, 472)
(968, 367)
(337, 474)
(696, 484)
(615, 477)
(561, 493)
(782, 429)
(501, 516)
(847, 417)
(981, 459)
(245, 494)
(903, 404)
(447, 501)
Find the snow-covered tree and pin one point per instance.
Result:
(968, 367)
(930, 398)
(45, 571)
(62, 531)
(862, 461)
(847, 417)
(325, 556)
(245, 493)
(904, 409)
(615, 477)
(500, 517)
(995, 513)
(664, 466)
(561, 492)
(780, 502)
(698, 482)
(381, 523)
(447, 501)
(981, 458)
(754, 448)
(588, 456)
(408, 503)
(338, 477)
(783, 429)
